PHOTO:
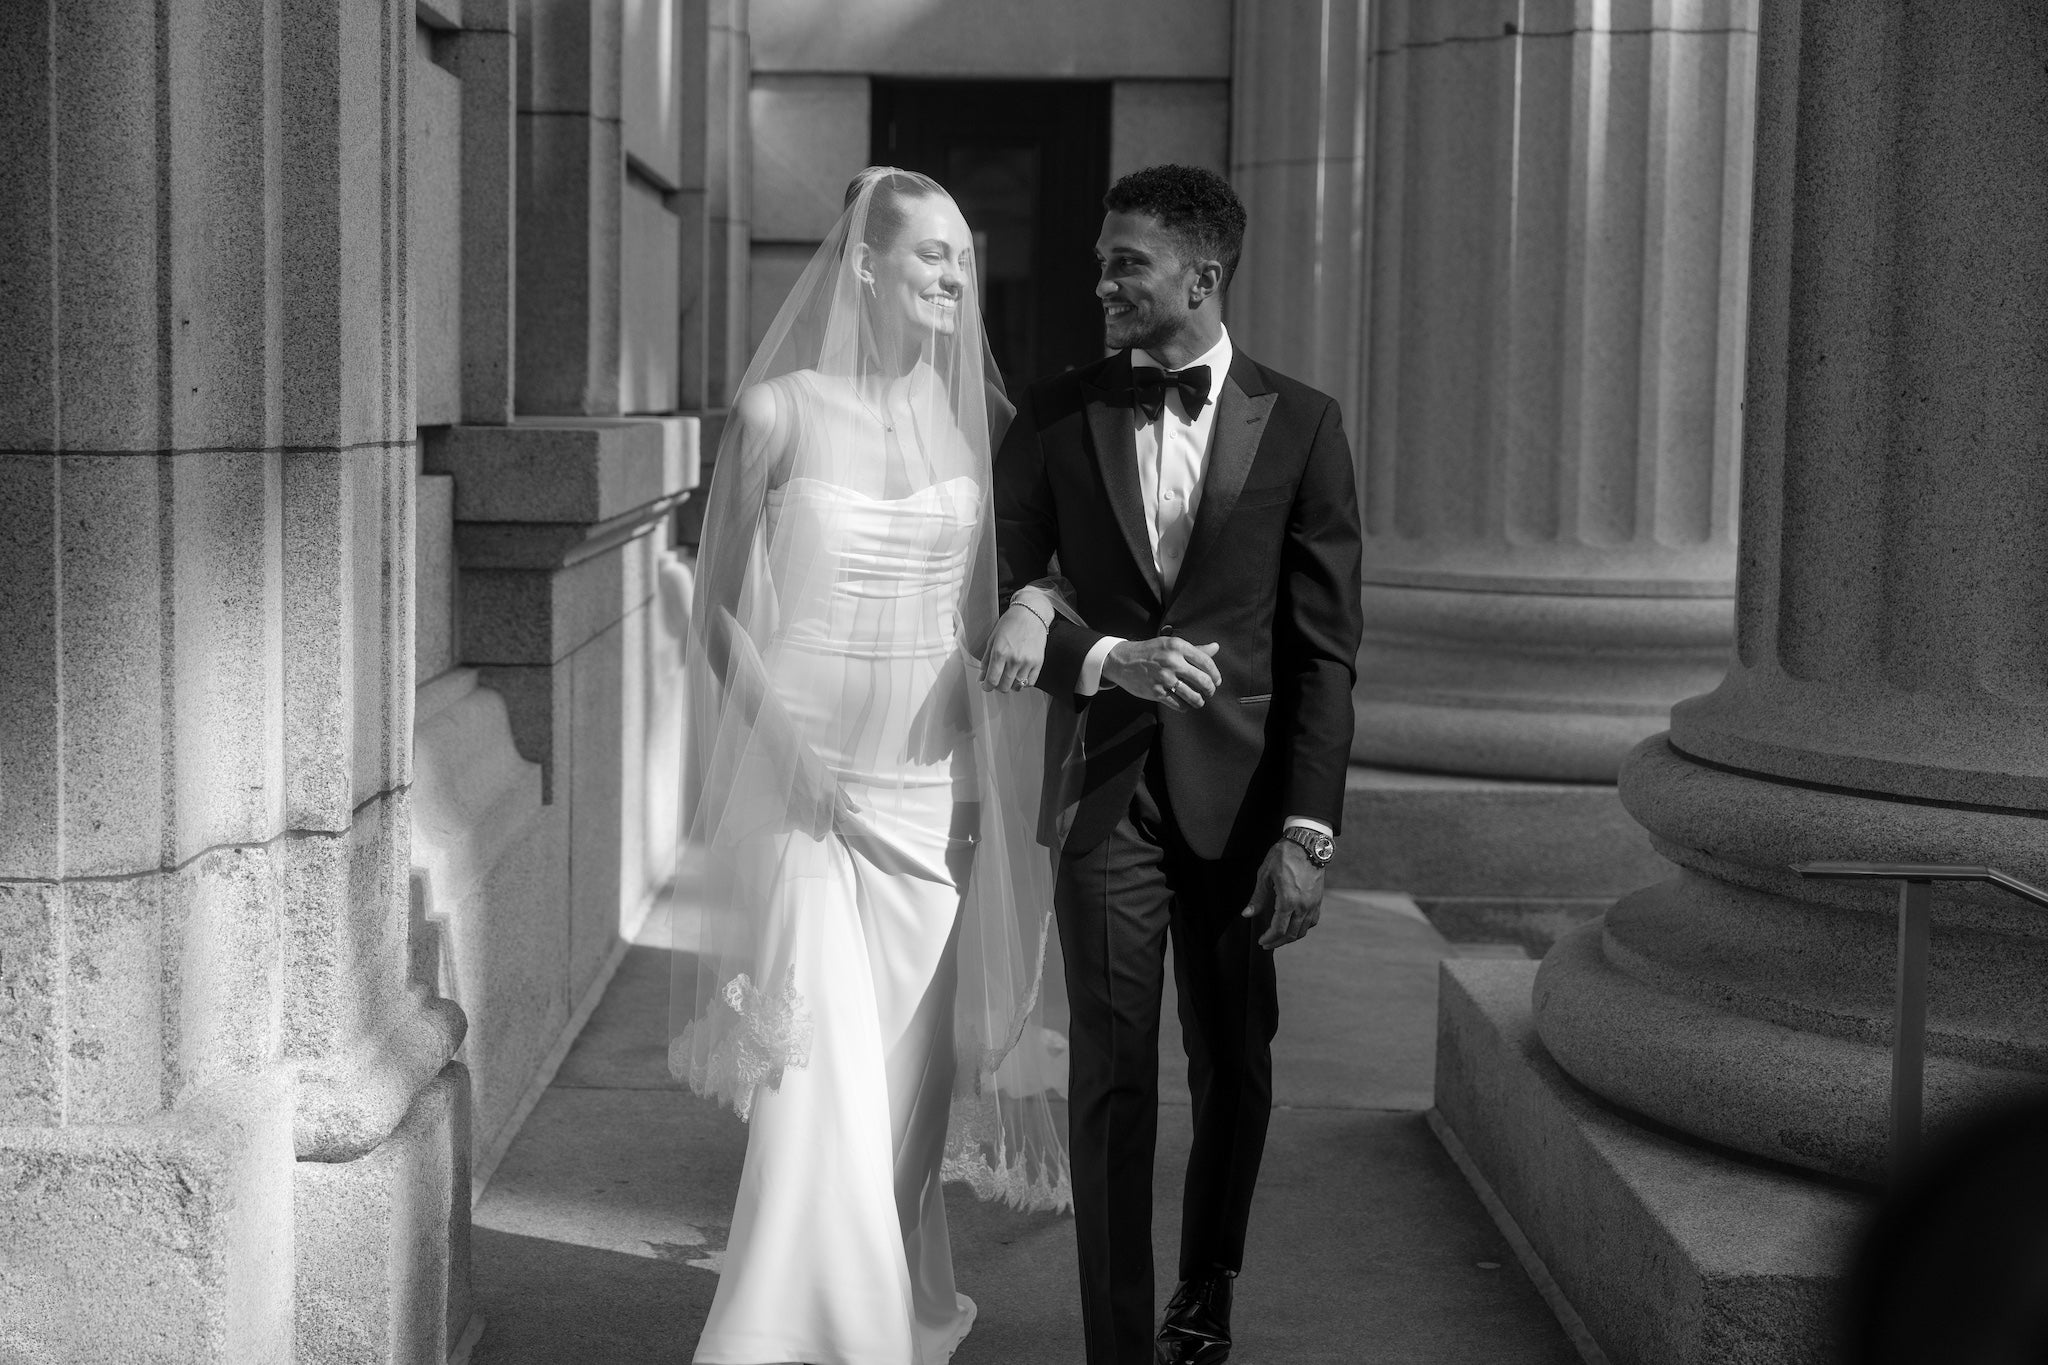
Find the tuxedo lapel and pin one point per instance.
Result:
(1116, 451)
(1242, 406)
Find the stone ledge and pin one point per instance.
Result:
(542, 616)
(1671, 1254)
(1535, 922)
(557, 470)
(1492, 858)
(1804, 1095)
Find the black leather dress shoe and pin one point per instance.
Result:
(1197, 1327)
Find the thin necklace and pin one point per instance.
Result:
(929, 472)
(887, 425)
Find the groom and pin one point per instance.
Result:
(1203, 509)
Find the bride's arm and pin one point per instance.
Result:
(1016, 651)
(731, 553)
(733, 523)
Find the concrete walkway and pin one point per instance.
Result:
(597, 1239)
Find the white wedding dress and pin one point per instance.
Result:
(838, 1252)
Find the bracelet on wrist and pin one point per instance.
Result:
(1045, 621)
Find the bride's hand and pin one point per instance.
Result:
(820, 804)
(849, 821)
(1016, 651)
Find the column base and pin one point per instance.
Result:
(1492, 859)
(169, 1239)
(382, 1242)
(1670, 1254)
(1555, 686)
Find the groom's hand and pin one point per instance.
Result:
(1289, 894)
(1167, 670)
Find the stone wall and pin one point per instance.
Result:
(206, 489)
(330, 771)
(548, 711)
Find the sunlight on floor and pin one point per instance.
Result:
(628, 1225)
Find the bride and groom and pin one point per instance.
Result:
(961, 672)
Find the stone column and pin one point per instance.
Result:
(652, 95)
(729, 201)
(1510, 238)
(1888, 702)
(1890, 698)
(228, 1121)
(718, 231)
(1551, 379)
(486, 59)
(572, 173)
(1301, 159)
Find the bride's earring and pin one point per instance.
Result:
(871, 287)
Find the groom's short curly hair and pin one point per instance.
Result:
(1197, 208)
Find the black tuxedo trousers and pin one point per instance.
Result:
(1118, 904)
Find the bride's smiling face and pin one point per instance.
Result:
(920, 276)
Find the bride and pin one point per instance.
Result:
(863, 975)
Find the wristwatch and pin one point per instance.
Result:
(1320, 847)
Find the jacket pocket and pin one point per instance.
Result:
(1255, 700)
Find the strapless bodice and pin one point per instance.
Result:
(867, 619)
(871, 577)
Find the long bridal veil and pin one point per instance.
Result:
(858, 414)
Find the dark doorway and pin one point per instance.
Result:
(1028, 163)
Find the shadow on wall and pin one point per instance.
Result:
(508, 888)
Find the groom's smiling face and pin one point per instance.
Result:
(1145, 287)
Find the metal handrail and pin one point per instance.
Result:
(1909, 1017)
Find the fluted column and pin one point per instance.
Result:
(224, 1100)
(1301, 158)
(1890, 696)
(1520, 264)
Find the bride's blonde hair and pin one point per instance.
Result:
(888, 207)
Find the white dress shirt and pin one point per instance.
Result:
(1173, 461)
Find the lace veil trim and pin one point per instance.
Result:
(751, 1037)
(978, 1157)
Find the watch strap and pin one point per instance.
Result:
(1319, 847)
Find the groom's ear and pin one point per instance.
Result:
(1206, 284)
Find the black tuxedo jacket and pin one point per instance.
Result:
(1271, 573)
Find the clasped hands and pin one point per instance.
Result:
(1288, 896)
(1167, 669)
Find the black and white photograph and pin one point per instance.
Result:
(1023, 682)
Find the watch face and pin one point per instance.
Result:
(1319, 847)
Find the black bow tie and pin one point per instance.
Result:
(1150, 383)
